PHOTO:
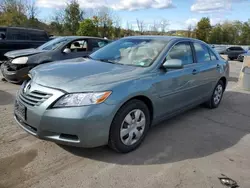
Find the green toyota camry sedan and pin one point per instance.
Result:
(119, 92)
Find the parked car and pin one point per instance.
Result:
(19, 62)
(15, 38)
(120, 91)
(233, 52)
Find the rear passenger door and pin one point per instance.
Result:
(209, 69)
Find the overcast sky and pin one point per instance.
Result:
(179, 13)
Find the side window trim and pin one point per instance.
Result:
(211, 52)
(193, 52)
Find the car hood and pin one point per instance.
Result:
(25, 52)
(83, 75)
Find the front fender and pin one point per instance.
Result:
(124, 92)
(39, 58)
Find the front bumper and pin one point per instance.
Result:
(14, 76)
(86, 126)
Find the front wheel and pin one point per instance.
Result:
(129, 126)
(217, 95)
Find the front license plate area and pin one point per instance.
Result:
(20, 110)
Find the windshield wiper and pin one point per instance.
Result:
(107, 61)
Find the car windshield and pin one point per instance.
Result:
(136, 52)
(54, 44)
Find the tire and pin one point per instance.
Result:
(212, 102)
(117, 141)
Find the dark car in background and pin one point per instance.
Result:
(232, 52)
(15, 38)
(19, 62)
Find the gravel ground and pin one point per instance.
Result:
(191, 150)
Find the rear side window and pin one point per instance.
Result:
(202, 53)
(38, 35)
(18, 34)
(236, 48)
(98, 43)
(181, 51)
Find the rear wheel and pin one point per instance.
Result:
(217, 95)
(129, 126)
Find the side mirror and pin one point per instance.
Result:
(173, 64)
(66, 51)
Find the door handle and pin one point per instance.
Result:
(218, 66)
(195, 72)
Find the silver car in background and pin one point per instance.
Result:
(116, 94)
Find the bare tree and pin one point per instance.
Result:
(140, 25)
(32, 10)
(155, 27)
(189, 31)
(164, 23)
(128, 26)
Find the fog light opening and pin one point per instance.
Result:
(69, 137)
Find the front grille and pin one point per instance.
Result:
(33, 98)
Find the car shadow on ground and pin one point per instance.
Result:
(233, 79)
(5, 98)
(197, 133)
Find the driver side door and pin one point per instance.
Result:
(176, 88)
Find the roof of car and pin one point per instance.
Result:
(80, 37)
(23, 28)
(166, 38)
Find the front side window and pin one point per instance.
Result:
(181, 51)
(202, 53)
(136, 52)
(78, 46)
(236, 48)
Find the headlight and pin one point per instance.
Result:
(20, 60)
(82, 99)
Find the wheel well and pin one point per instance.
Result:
(224, 80)
(45, 62)
(148, 102)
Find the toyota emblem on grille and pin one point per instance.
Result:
(27, 87)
